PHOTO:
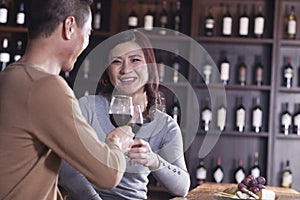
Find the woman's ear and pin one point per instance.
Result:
(69, 27)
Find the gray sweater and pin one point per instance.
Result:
(164, 136)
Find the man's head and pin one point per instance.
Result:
(44, 16)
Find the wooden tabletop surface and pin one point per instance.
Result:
(207, 191)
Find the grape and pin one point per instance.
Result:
(253, 183)
(241, 185)
(246, 181)
(260, 186)
(254, 189)
(251, 177)
(261, 180)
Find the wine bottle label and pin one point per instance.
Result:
(242, 76)
(201, 173)
(227, 25)
(297, 120)
(207, 70)
(148, 25)
(286, 120)
(221, 121)
(17, 57)
(239, 176)
(218, 175)
(287, 179)
(244, 24)
(209, 23)
(225, 71)
(4, 57)
(259, 25)
(255, 172)
(97, 21)
(288, 73)
(257, 118)
(161, 70)
(132, 21)
(20, 18)
(163, 20)
(259, 72)
(292, 27)
(206, 115)
(3, 15)
(240, 118)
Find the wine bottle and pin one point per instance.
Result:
(176, 67)
(177, 18)
(207, 71)
(201, 172)
(285, 119)
(3, 13)
(291, 24)
(97, 17)
(20, 17)
(148, 20)
(240, 115)
(244, 23)
(161, 68)
(19, 50)
(257, 114)
(132, 19)
(258, 76)
(176, 111)
(239, 173)
(163, 19)
(242, 73)
(221, 117)
(4, 54)
(259, 23)
(218, 172)
(224, 70)
(287, 176)
(206, 115)
(288, 74)
(227, 22)
(296, 119)
(209, 23)
(86, 68)
(255, 168)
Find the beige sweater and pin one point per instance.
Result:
(40, 124)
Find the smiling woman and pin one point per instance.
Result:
(158, 146)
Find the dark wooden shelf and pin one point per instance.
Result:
(285, 42)
(237, 87)
(13, 29)
(289, 90)
(237, 40)
(289, 137)
(237, 134)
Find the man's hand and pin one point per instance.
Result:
(123, 137)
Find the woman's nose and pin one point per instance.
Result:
(126, 67)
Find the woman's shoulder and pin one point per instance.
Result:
(92, 99)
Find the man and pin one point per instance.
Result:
(40, 120)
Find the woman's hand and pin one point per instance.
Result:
(122, 137)
(141, 153)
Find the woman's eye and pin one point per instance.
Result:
(116, 62)
(136, 60)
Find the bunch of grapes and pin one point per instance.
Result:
(253, 184)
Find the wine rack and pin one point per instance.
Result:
(274, 148)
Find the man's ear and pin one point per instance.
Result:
(69, 27)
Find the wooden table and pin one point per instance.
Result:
(207, 191)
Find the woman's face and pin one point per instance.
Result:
(128, 70)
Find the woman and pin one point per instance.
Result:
(157, 148)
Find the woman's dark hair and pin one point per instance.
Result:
(45, 15)
(106, 87)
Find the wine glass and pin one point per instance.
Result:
(121, 110)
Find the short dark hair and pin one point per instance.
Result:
(45, 15)
(106, 87)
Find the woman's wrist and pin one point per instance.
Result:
(155, 164)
